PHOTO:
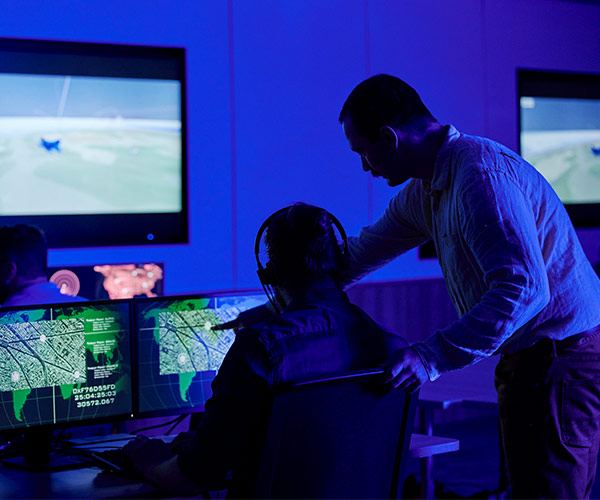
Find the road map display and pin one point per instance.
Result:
(64, 364)
(89, 145)
(560, 137)
(178, 353)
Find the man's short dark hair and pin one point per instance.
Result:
(302, 246)
(379, 101)
(26, 246)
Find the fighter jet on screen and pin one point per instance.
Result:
(596, 151)
(50, 145)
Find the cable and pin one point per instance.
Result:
(157, 426)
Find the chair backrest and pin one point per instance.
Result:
(338, 437)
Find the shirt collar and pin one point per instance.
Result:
(442, 161)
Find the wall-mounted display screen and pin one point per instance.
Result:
(92, 142)
(559, 134)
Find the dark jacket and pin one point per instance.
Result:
(319, 333)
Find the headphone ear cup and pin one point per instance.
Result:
(267, 275)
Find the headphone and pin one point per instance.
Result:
(266, 274)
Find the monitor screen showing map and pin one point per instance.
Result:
(93, 131)
(560, 136)
(178, 355)
(65, 364)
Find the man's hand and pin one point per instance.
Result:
(406, 370)
(234, 324)
(147, 453)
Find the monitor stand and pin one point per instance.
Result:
(37, 454)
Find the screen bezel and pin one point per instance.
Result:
(135, 352)
(541, 83)
(97, 59)
(121, 417)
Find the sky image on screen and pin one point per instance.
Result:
(64, 364)
(561, 138)
(178, 353)
(89, 145)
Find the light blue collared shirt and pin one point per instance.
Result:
(512, 263)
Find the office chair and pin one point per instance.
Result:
(336, 437)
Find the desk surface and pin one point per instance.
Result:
(95, 483)
(89, 482)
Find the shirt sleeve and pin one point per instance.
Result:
(394, 233)
(502, 249)
(235, 418)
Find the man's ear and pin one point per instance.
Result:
(389, 136)
(9, 271)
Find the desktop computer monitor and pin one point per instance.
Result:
(65, 364)
(177, 354)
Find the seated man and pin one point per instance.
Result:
(24, 268)
(318, 331)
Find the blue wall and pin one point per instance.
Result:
(267, 79)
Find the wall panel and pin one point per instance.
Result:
(294, 64)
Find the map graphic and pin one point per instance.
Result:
(124, 281)
(64, 363)
(179, 353)
(42, 354)
(187, 344)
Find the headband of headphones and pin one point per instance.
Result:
(265, 273)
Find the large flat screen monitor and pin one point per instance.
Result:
(65, 364)
(93, 142)
(559, 134)
(177, 354)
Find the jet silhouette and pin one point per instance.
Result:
(50, 145)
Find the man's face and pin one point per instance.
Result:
(382, 157)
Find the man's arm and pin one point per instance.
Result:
(399, 229)
(235, 415)
(156, 463)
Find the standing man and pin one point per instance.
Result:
(515, 272)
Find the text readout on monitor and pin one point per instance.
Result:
(64, 363)
(178, 355)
